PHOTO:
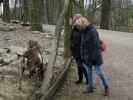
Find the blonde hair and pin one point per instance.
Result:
(82, 23)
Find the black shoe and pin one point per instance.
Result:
(78, 82)
(106, 93)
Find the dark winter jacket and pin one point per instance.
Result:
(90, 46)
(75, 43)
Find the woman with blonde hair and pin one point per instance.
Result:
(82, 23)
(90, 52)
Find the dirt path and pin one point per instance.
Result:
(118, 66)
(9, 76)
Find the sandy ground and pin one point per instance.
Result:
(118, 62)
(9, 78)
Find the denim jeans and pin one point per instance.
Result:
(88, 73)
(100, 73)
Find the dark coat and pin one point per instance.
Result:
(90, 46)
(75, 43)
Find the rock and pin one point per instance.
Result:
(36, 32)
(7, 28)
(7, 38)
(15, 21)
(8, 70)
(3, 51)
(25, 24)
(1, 60)
(8, 58)
(12, 28)
(49, 36)
(60, 51)
(17, 50)
(48, 28)
(1, 98)
(11, 54)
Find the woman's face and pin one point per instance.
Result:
(73, 19)
(73, 24)
(77, 24)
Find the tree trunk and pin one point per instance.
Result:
(6, 11)
(76, 6)
(58, 9)
(25, 11)
(49, 72)
(67, 32)
(15, 10)
(105, 14)
(54, 8)
(36, 15)
(45, 12)
(20, 9)
(82, 10)
(50, 10)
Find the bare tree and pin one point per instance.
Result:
(36, 14)
(45, 12)
(26, 15)
(6, 11)
(105, 14)
(15, 10)
(1, 1)
(49, 72)
(20, 9)
(82, 10)
(54, 8)
(67, 31)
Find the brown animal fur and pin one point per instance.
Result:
(34, 63)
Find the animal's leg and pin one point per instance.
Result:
(21, 72)
(41, 72)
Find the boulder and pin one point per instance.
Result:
(8, 58)
(35, 32)
(1, 60)
(15, 21)
(8, 70)
(3, 51)
(17, 50)
(1, 98)
(7, 28)
(60, 51)
(48, 28)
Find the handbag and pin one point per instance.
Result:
(103, 46)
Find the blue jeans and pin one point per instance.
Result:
(88, 73)
(100, 73)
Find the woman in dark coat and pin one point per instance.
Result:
(75, 48)
(90, 53)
